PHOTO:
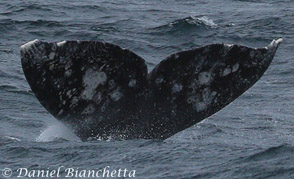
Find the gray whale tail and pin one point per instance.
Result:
(102, 90)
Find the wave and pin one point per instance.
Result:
(253, 1)
(201, 131)
(272, 152)
(13, 9)
(8, 139)
(27, 7)
(192, 20)
(88, 7)
(39, 22)
(186, 24)
(270, 22)
(267, 26)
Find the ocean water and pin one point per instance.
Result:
(253, 137)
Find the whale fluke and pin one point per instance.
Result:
(103, 91)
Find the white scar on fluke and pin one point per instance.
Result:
(28, 45)
(91, 80)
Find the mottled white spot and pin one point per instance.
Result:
(51, 55)
(61, 43)
(68, 93)
(88, 121)
(67, 73)
(54, 47)
(227, 71)
(132, 83)
(159, 80)
(68, 65)
(207, 96)
(51, 67)
(60, 112)
(201, 101)
(28, 45)
(213, 93)
(177, 88)
(89, 109)
(197, 69)
(74, 101)
(192, 99)
(199, 106)
(116, 95)
(103, 108)
(252, 54)
(204, 78)
(111, 84)
(235, 67)
(91, 80)
(97, 98)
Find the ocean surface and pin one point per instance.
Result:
(253, 137)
